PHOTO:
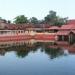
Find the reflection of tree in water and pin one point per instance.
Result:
(54, 52)
(21, 51)
(2, 52)
(24, 50)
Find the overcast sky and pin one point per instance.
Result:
(37, 8)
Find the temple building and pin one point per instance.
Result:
(66, 33)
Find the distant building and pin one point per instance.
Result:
(72, 21)
(66, 33)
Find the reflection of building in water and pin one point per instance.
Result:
(15, 43)
(31, 43)
(65, 46)
(66, 52)
(22, 48)
(22, 42)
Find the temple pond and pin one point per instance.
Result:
(38, 58)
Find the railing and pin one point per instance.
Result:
(21, 32)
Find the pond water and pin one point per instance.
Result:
(37, 58)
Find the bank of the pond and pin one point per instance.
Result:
(27, 37)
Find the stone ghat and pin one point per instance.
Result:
(27, 37)
(15, 37)
(45, 37)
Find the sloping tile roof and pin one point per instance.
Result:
(18, 26)
(24, 26)
(72, 21)
(54, 27)
(62, 32)
(73, 31)
(67, 27)
(42, 25)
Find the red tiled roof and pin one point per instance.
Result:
(42, 26)
(73, 31)
(54, 27)
(71, 21)
(18, 26)
(67, 27)
(62, 32)
(24, 26)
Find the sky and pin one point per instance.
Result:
(9, 9)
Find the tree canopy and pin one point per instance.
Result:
(21, 19)
(53, 19)
(34, 20)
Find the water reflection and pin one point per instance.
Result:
(37, 57)
(23, 48)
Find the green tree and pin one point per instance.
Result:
(60, 21)
(53, 19)
(41, 21)
(20, 19)
(0, 18)
(34, 20)
(8, 21)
